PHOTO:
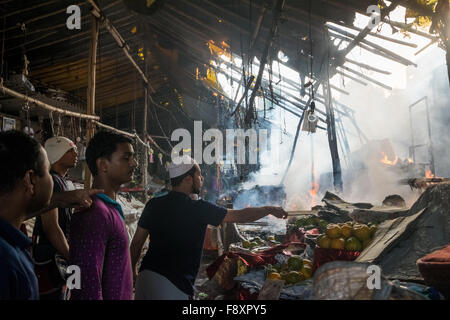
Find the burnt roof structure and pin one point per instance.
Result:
(167, 47)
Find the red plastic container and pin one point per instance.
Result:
(435, 270)
(322, 256)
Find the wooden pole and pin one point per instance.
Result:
(97, 12)
(144, 120)
(332, 138)
(276, 17)
(90, 129)
(343, 53)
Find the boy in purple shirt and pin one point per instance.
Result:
(98, 238)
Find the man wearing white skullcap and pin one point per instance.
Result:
(177, 224)
(51, 228)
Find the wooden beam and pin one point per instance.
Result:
(352, 78)
(95, 27)
(332, 138)
(395, 56)
(249, 116)
(343, 53)
(343, 5)
(366, 66)
(377, 35)
(359, 74)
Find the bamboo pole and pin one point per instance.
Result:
(90, 130)
(120, 41)
(402, 25)
(342, 53)
(352, 78)
(249, 116)
(359, 74)
(145, 116)
(46, 106)
(352, 38)
(377, 35)
(366, 66)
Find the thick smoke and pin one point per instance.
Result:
(384, 118)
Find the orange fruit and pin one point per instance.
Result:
(333, 231)
(338, 243)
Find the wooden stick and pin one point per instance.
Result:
(366, 66)
(352, 78)
(347, 36)
(408, 44)
(359, 74)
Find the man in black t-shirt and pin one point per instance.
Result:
(177, 225)
(52, 228)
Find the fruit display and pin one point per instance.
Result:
(309, 222)
(259, 242)
(293, 271)
(347, 236)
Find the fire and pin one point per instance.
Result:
(248, 206)
(386, 160)
(410, 160)
(429, 174)
(314, 189)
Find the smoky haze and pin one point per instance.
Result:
(384, 117)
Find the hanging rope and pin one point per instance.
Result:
(58, 133)
(52, 122)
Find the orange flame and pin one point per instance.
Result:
(410, 160)
(386, 160)
(429, 175)
(314, 189)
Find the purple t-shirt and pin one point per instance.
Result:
(99, 246)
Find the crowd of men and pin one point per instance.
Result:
(87, 228)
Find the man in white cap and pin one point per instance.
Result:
(177, 224)
(51, 228)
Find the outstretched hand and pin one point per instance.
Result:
(75, 199)
(277, 212)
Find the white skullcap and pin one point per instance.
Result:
(181, 165)
(56, 147)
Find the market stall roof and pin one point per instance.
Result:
(178, 40)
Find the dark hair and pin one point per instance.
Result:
(18, 154)
(103, 144)
(177, 180)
